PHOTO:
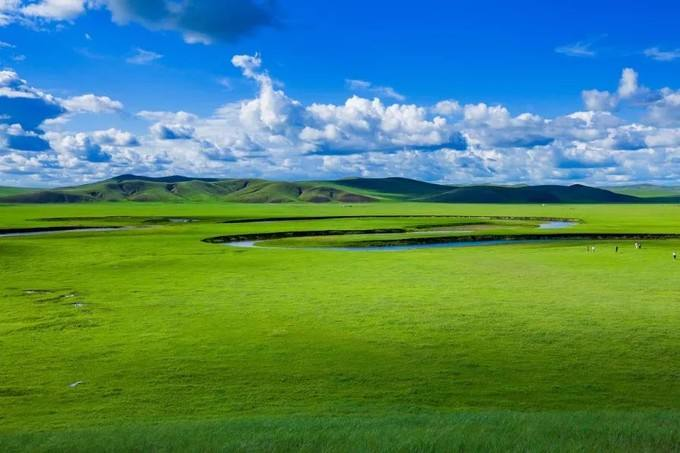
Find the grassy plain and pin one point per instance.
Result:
(182, 345)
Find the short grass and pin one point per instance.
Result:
(183, 345)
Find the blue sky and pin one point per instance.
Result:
(457, 92)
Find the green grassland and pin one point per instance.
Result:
(8, 191)
(183, 345)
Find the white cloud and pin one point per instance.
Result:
(447, 107)
(249, 64)
(662, 55)
(665, 111)
(89, 103)
(115, 137)
(628, 85)
(577, 49)
(55, 9)
(25, 110)
(23, 104)
(168, 117)
(596, 100)
(142, 57)
(376, 90)
(77, 149)
(273, 135)
(362, 125)
(629, 90)
(172, 131)
(494, 116)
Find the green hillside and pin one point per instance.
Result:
(8, 191)
(530, 194)
(351, 190)
(182, 189)
(647, 190)
(393, 188)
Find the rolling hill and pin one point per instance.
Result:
(394, 188)
(350, 190)
(180, 188)
(647, 190)
(531, 194)
(7, 191)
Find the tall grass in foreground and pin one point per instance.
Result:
(481, 431)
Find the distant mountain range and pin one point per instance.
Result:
(351, 190)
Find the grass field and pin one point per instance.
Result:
(149, 339)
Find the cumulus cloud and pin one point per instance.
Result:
(115, 137)
(629, 91)
(665, 111)
(661, 107)
(249, 64)
(362, 125)
(273, 135)
(25, 105)
(16, 138)
(26, 110)
(273, 120)
(581, 157)
(172, 131)
(55, 9)
(95, 151)
(596, 100)
(89, 103)
(447, 141)
(446, 107)
(82, 147)
(628, 85)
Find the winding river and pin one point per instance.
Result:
(552, 225)
(415, 243)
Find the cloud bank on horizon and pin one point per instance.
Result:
(630, 133)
